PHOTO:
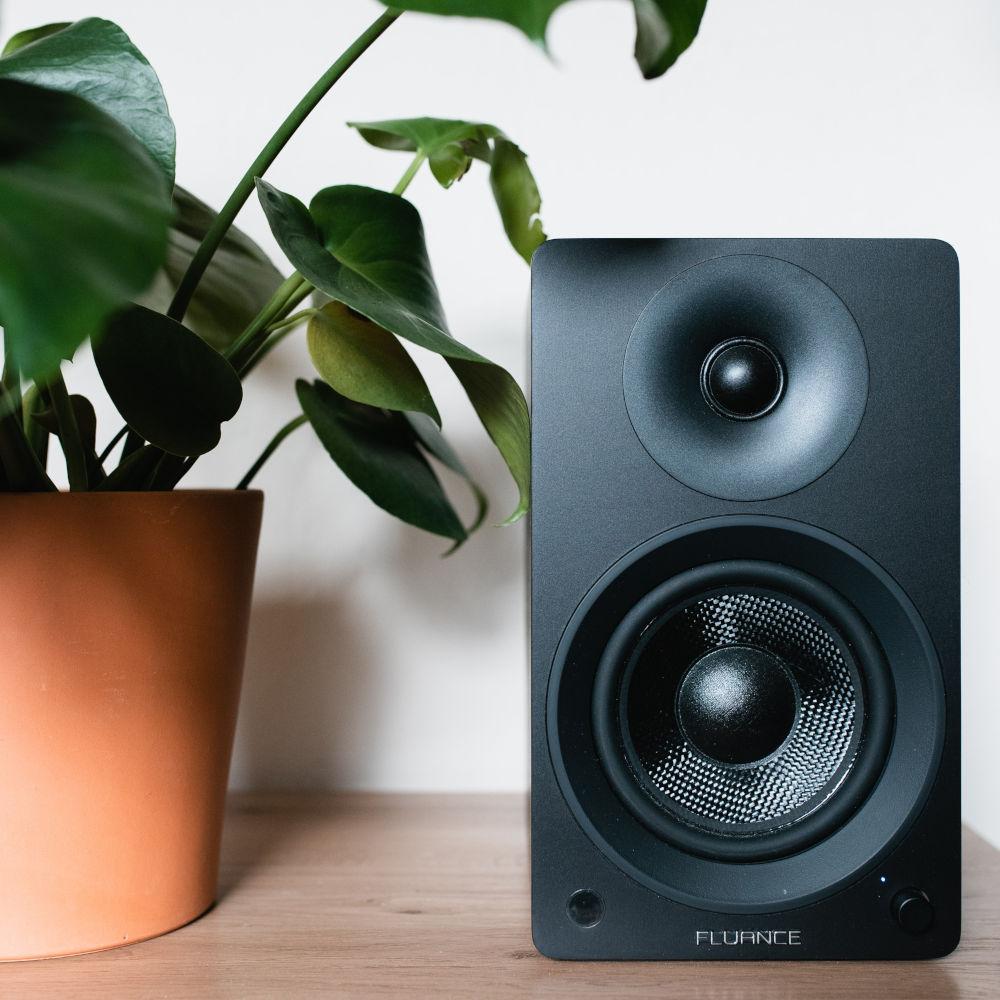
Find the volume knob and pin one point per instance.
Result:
(912, 910)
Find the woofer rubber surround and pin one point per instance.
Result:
(848, 839)
(795, 316)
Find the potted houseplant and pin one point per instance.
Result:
(126, 598)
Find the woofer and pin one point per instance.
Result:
(787, 690)
(837, 790)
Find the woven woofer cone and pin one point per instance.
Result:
(741, 709)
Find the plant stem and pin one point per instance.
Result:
(284, 325)
(69, 433)
(22, 470)
(305, 289)
(295, 288)
(275, 335)
(410, 173)
(38, 437)
(169, 471)
(133, 442)
(103, 457)
(11, 379)
(269, 450)
(272, 310)
(243, 190)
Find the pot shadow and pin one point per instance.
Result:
(306, 684)
(315, 694)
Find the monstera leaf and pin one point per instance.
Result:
(172, 389)
(450, 147)
(96, 60)
(240, 277)
(365, 249)
(516, 195)
(377, 452)
(83, 221)
(431, 439)
(366, 363)
(664, 28)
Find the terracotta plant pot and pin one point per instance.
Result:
(123, 621)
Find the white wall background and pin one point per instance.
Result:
(372, 662)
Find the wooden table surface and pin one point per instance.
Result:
(410, 896)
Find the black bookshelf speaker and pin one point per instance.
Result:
(745, 599)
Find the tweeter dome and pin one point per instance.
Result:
(745, 600)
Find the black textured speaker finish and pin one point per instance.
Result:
(877, 525)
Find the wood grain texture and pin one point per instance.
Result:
(360, 895)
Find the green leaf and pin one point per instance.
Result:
(239, 281)
(434, 443)
(448, 144)
(134, 473)
(22, 470)
(374, 450)
(517, 198)
(366, 249)
(450, 147)
(168, 384)
(168, 472)
(30, 35)
(366, 363)
(501, 406)
(664, 28)
(86, 423)
(86, 419)
(96, 60)
(83, 222)
(531, 16)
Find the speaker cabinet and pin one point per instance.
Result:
(745, 599)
